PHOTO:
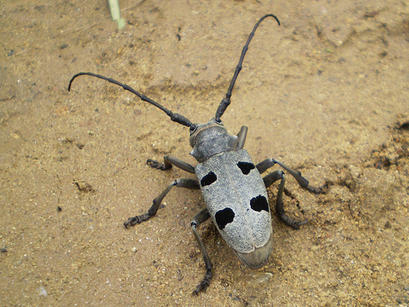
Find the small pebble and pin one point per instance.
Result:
(261, 277)
(42, 291)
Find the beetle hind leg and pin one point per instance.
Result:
(269, 180)
(168, 161)
(197, 220)
(182, 183)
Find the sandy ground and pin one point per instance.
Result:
(326, 93)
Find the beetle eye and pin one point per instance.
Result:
(193, 129)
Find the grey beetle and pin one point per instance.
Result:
(234, 192)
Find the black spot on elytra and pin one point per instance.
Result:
(245, 167)
(223, 217)
(259, 203)
(208, 179)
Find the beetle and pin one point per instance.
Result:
(233, 189)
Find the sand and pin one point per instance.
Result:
(326, 93)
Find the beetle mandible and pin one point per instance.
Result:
(233, 189)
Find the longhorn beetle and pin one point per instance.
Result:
(234, 192)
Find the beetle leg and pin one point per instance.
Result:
(268, 180)
(241, 137)
(197, 220)
(303, 182)
(271, 178)
(182, 183)
(167, 164)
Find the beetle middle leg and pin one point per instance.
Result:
(269, 180)
(197, 220)
(168, 161)
(303, 182)
(182, 183)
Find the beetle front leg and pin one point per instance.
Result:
(269, 180)
(303, 182)
(182, 183)
(168, 161)
(197, 220)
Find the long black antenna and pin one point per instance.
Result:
(226, 100)
(173, 116)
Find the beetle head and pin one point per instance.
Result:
(210, 139)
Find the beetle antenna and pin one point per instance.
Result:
(173, 116)
(226, 100)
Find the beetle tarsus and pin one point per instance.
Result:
(291, 222)
(319, 190)
(168, 161)
(132, 221)
(204, 283)
(158, 165)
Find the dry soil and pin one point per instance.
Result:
(326, 93)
